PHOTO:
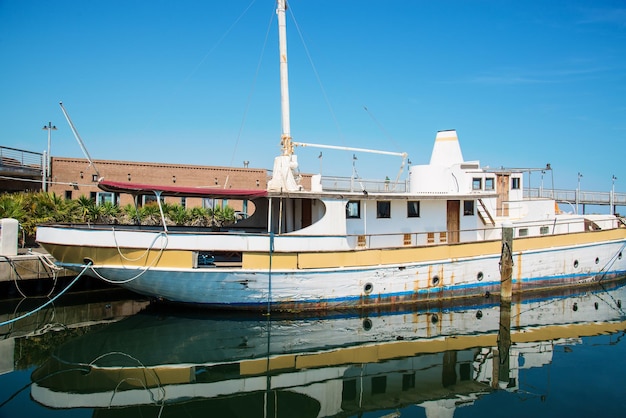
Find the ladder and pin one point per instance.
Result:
(483, 213)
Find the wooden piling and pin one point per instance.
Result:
(506, 264)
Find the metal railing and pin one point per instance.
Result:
(20, 159)
(584, 197)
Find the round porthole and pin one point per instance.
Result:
(435, 280)
(619, 255)
(575, 264)
(434, 319)
(368, 288)
(575, 307)
(597, 260)
(479, 276)
(367, 324)
(479, 314)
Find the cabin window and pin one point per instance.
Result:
(383, 209)
(544, 230)
(379, 385)
(489, 183)
(413, 209)
(523, 232)
(349, 391)
(477, 183)
(515, 183)
(408, 381)
(468, 207)
(353, 209)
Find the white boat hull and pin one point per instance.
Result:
(458, 273)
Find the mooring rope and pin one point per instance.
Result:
(604, 270)
(50, 301)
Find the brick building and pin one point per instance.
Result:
(75, 177)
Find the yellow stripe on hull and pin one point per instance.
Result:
(391, 350)
(375, 257)
(184, 259)
(123, 257)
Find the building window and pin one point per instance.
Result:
(68, 194)
(477, 183)
(353, 209)
(150, 198)
(515, 183)
(105, 197)
(183, 202)
(413, 209)
(383, 209)
(489, 184)
(94, 178)
(93, 195)
(468, 207)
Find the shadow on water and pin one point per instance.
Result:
(147, 359)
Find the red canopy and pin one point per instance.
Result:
(134, 188)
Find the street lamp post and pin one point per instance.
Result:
(49, 127)
(613, 178)
(578, 193)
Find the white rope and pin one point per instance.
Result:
(144, 270)
(48, 302)
(143, 383)
(119, 250)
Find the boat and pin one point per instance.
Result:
(168, 362)
(316, 243)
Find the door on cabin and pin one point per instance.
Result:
(453, 220)
(502, 188)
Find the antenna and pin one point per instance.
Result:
(80, 141)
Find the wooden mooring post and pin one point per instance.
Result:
(506, 264)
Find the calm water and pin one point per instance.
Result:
(108, 353)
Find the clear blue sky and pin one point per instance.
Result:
(524, 83)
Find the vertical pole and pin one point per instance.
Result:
(506, 263)
(44, 171)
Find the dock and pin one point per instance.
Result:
(30, 264)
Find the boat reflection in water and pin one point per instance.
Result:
(160, 363)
